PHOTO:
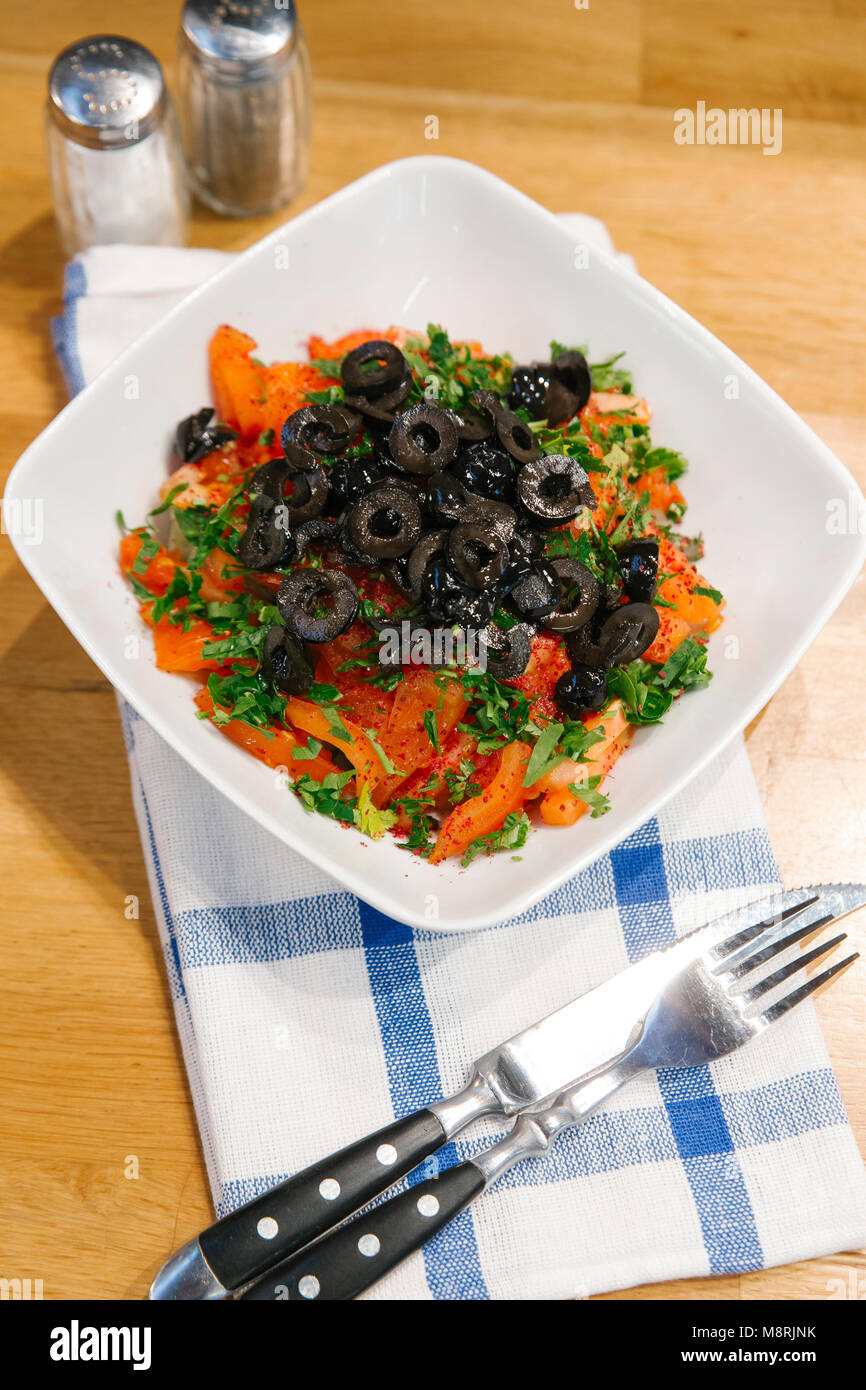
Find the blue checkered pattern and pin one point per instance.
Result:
(308, 1018)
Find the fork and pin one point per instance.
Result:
(714, 1005)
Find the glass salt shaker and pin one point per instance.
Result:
(113, 147)
(244, 99)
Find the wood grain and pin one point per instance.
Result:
(574, 107)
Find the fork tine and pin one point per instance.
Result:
(741, 938)
(803, 991)
(791, 968)
(759, 955)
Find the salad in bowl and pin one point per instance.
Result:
(437, 591)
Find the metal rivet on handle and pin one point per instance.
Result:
(386, 1154)
(267, 1228)
(330, 1189)
(369, 1245)
(309, 1286)
(428, 1205)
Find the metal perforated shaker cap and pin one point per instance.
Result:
(241, 39)
(106, 91)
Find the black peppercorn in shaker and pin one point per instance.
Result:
(244, 102)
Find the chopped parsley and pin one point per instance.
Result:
(432, 728)
(586, 791)
(326, 796)
(511, 835)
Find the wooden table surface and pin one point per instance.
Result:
(574, 106)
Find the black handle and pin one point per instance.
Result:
(257, 1236)
(346, 1262)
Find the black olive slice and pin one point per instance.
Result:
(385, 523)
(554, 488)
(516, 437)
(528, 390)
(423, 439)
(478, 555)
(316, 429)
(284, 662)
(538, 593)
(580, 689)
(372, 368)
(317, 529)
(431, 543)
(497, 516)
(350, 478)
(201, 434)
(486, 470)
(472, 425)
(639, 567)
(449, 600)
(488, 404)
(309, 492)
(527, 546)
(384, 407)
(627, 632)
(581, 593)
(571, 372)
(397, 571)
(444, 500)
(266, 542)
(520, 563)
(270, 478)
(508, 650)
(318, 605)
(561, 403)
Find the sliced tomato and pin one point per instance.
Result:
(547, 663)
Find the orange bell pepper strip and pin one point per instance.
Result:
(700, 610)
(356, 747)
(276, 751)
(219, 577)
(485, 813)
(560, 806)
(177, 650)
(405, 740)
(238, 385)
(614, 722)
(160, 570)
(672, 631)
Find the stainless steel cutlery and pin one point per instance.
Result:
(698, 999)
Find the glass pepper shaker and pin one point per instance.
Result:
(244, 99)
(113, 147)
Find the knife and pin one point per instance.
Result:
(571, 1044)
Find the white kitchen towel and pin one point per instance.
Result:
(308, 1019)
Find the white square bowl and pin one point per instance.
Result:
(432, 239)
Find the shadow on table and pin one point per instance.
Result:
(32, 264)
(63, 748)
